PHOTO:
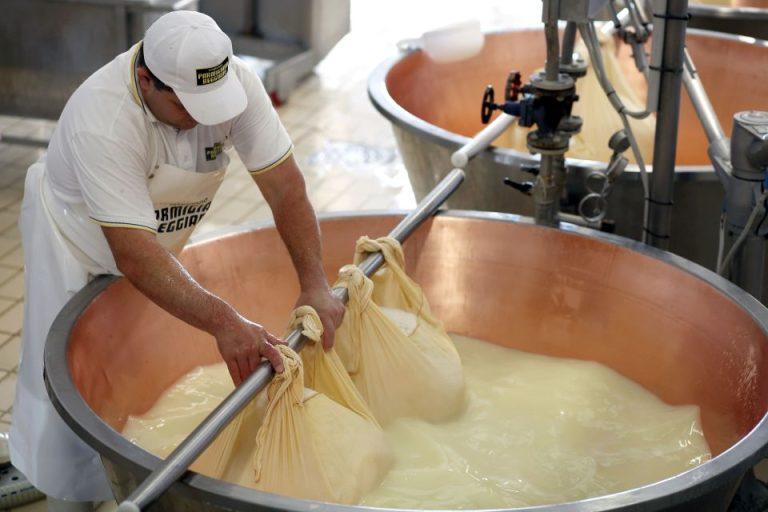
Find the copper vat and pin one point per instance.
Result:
(745, 17)
(434, 109)
(676, 328)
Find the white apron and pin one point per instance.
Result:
(42, 446)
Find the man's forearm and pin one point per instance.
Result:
(158, 274)
(297, 224)
(285, 191)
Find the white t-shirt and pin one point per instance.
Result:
(101, 154)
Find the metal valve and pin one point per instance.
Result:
(619, 141)
(523, 109)
(525, 187)
(488, 105)
(513, 86)
(594, 205)
(512, 89)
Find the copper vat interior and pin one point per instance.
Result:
(758, 4)
(516, 285)
(448, 95)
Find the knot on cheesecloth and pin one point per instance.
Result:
(360, 288)
(394, 259)
(306, 318)
(285, 390)
(388, 246)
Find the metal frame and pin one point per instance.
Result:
(677, 490)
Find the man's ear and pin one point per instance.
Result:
(145, 80)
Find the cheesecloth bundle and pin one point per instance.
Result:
(302, 442)
(398, 355)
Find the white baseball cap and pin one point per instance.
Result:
(188, 51)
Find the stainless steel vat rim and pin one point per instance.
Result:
(398, 116)
(111, 444)
(723, 12)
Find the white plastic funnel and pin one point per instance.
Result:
(452, 43)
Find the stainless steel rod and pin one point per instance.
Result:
(177, 463)
(701, 103)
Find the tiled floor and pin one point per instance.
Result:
(344, 147)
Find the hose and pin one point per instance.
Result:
(720, 243)
(723, 268)
(593, 46)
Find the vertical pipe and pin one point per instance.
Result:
(569, 41)
(552, 69)
(546, 198)
(657, 229)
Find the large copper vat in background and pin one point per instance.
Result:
(745, 17)
(679, 330)
(434, 108)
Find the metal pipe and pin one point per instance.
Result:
(657, 229)
(640, 8)
(484, 138)
(636, 19)
(700, 99)
(569, 41)
(552, 69)
(546, 196)
(177, 463)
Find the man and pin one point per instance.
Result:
(132, 167)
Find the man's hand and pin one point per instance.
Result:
(329, 309)
(284, 189)
(243, 343)
(159, 275)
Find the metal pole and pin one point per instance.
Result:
(701, 103)
(552, 69)
(546, 192)
(569, 41)
(177, 463)
(657, 229)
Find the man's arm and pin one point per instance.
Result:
(284, 190)
(158, 274)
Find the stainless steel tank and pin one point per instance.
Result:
(682, 332)
(434, 108)
(745, 17)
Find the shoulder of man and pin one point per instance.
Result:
(104, 107)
